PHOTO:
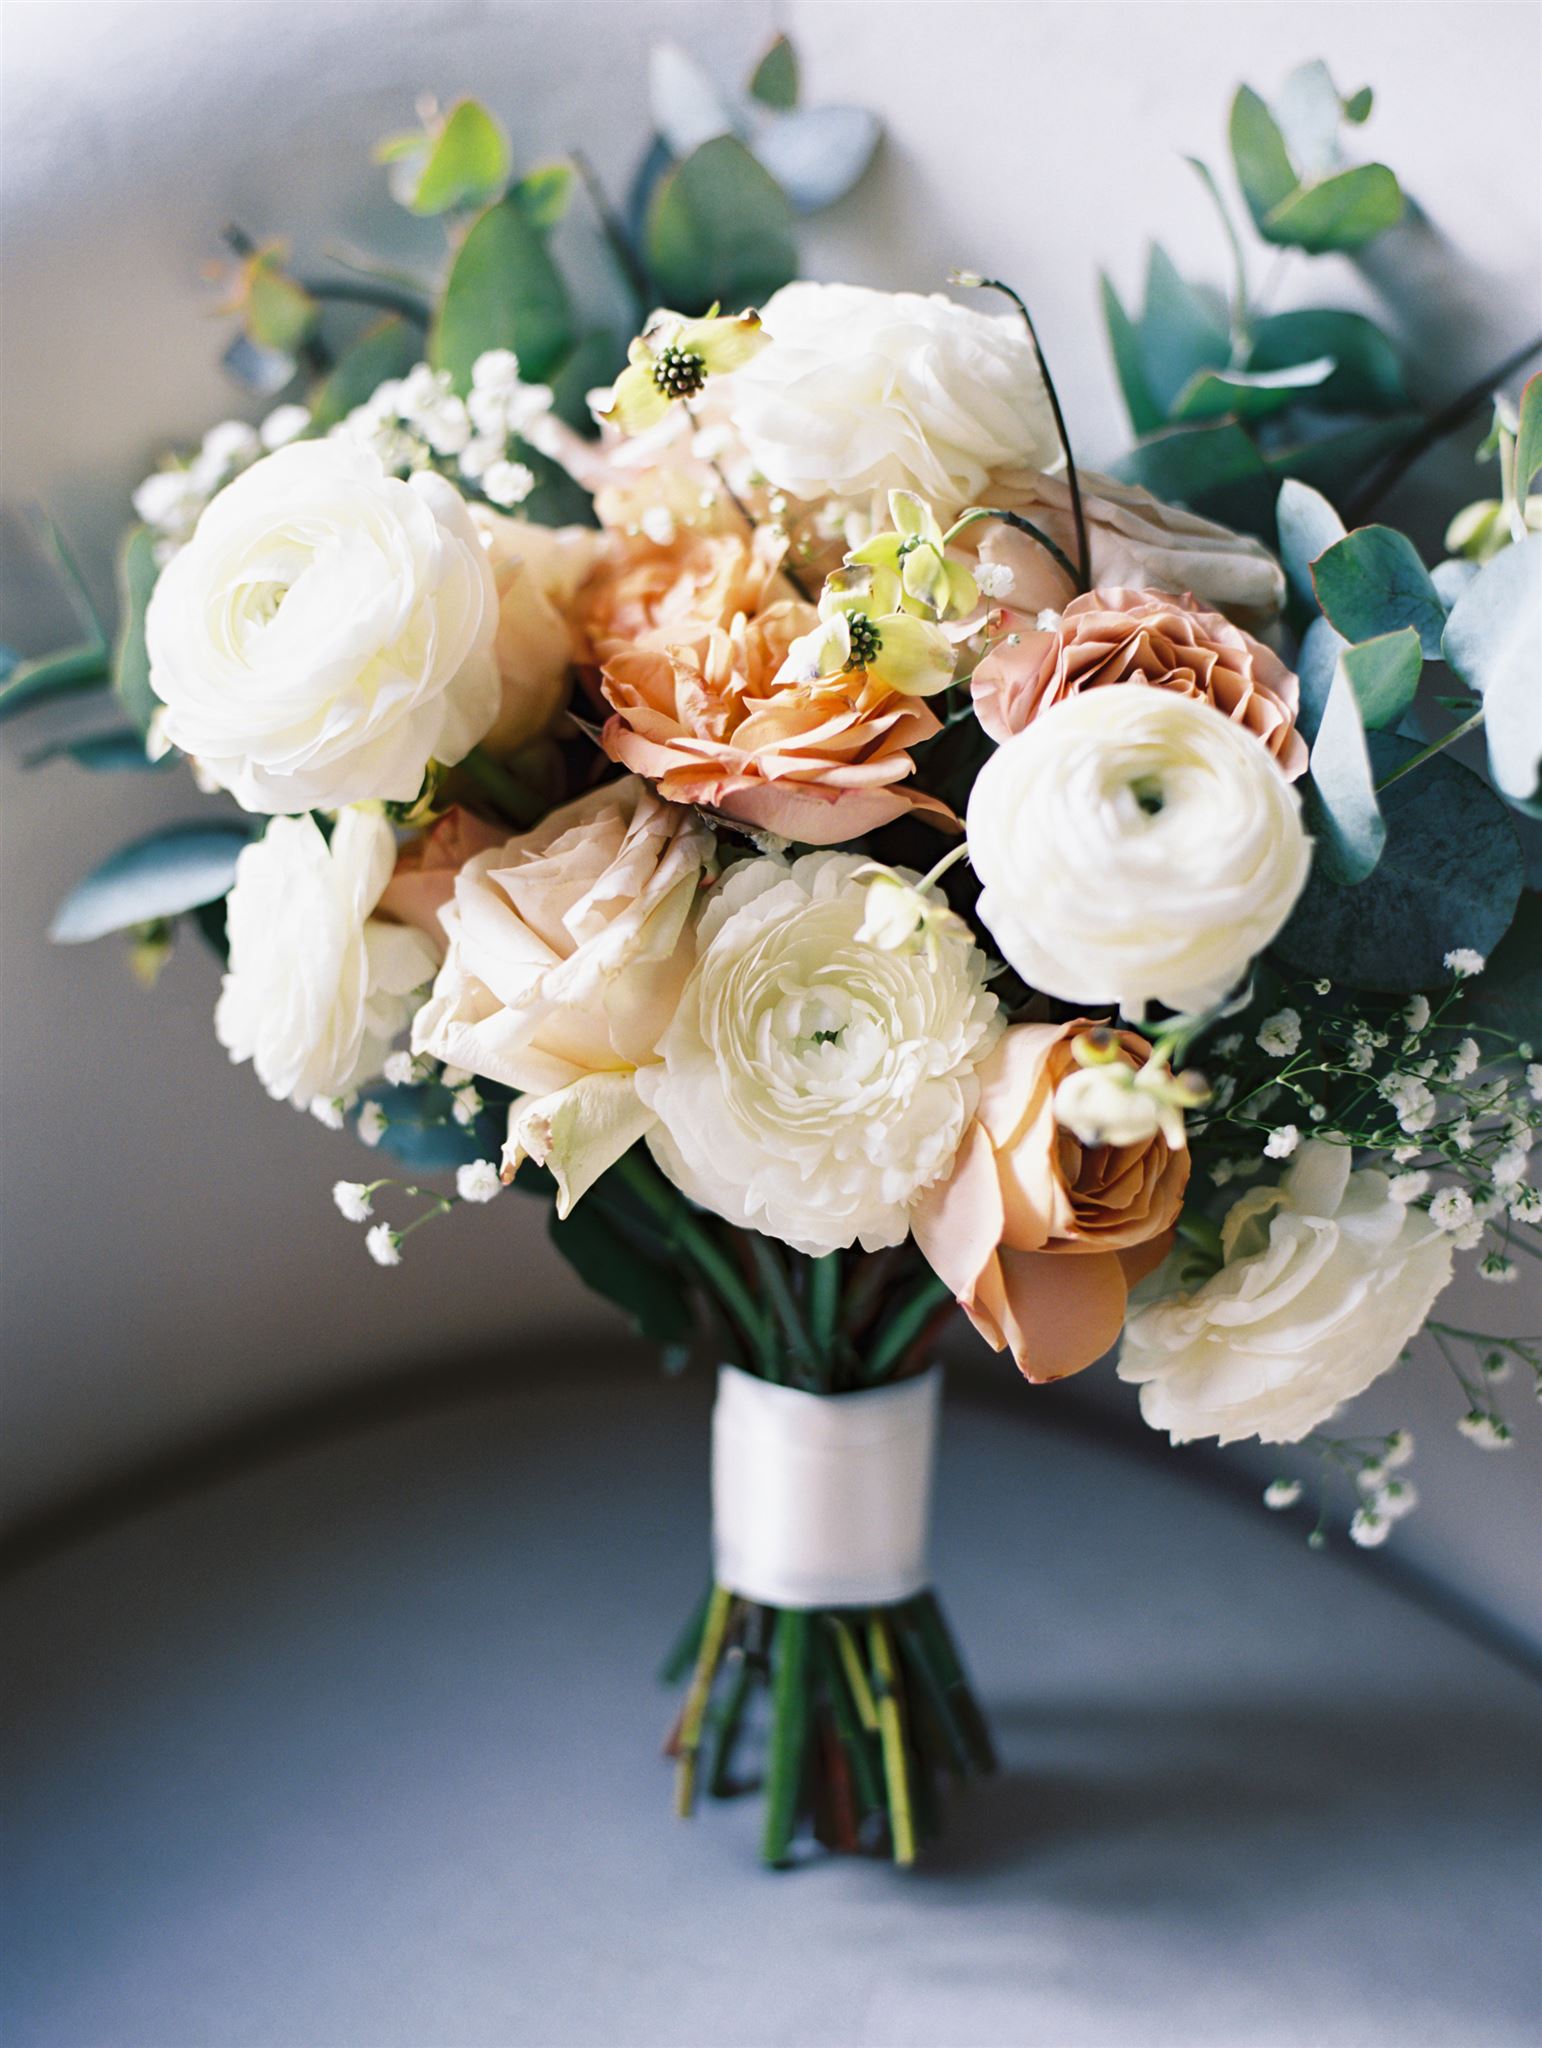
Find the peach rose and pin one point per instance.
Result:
(1135, 541)
(1138, 636)
(538, 571)
(689, 639)
(1039, 1236)
(423, 880)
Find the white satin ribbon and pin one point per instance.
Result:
(822, 1500)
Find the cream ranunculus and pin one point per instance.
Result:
(1135, 846)
(568, 948)
(863, 392)
(327, 632)
(317, 987)
(1326, 1277)
(813, 1084)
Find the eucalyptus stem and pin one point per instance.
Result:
(383, 297)
(1428, 753)
(696, 1699)
(714, 1265)
(824, 1301)
(774, 1280)
(789, 1732)
(1434, 430)
(906, 1324)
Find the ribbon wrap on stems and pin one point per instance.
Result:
(822, 1500)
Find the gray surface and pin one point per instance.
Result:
(361, 1750)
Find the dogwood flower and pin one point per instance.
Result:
(672, 359)
(932, 586)
(863, 626)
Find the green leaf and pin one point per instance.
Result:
(1248, 394)
(1342, 212)
(1342, 811)
(1528, 443)
(467, 164)
(1333, 462)
(504, 291)
(1215, 470)
(388, 349)
(53, 675)
(1308, 527)
(546, 193)
(280, 314)
(1450, 875)
(1508, 994)
(1372, 582)
(1493, 641)
(1124, 340)
(172, 870)
(1357, 108)
(1182, 331)
(597, 358)
(816, 154)
(102, 753)
(421, 1133)
(774, 81)
(1264, 169)
(137, 571)
(609, 1264)
(1317, 664)
(1367, 374)
(1384, 675)
(719, 228)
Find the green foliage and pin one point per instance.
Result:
(137, 571)
(719, 230)
(1493, 641)
(609, 1263)
(1217, 470)
(102, 753)
(1508, 994)
(1287, 163)
(461, 162)
(170, 871)
(1528, 442)
(1450, 875)
(1342, 812)
(503, 291)
(388, 349)
(1343, 212)
(1248, 394)
(1183, 332)
(774, 81)
(545, 193)
(421, 1133)
(1384, 675)
(1367, 375)
(281, 315)
(1308, 527)
(1372, 582)
(31, 683)
(1125, 342)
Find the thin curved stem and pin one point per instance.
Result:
(1435, 429)
(1035, 533)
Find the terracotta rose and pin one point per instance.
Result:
(1039, 1236)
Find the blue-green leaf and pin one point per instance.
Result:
(1342, 809)
(1528, 441)
(1215, 470)
(1247, 394)
(1335, 462)
(137, 571)
(1264, 169)
(1317, 664)
(1183, 330)
(103, 753)
(1373, 582)
(467, 163)
(816, 154)
(1367, 374)
(504, 291)
(421, 1133)
(610, 1264)
(53, 675)
(1342, 212)
(1384, 675)
(719, 229)
(775, 79)
(1450, 875)
(172, 870)
(546, 193)
(1309, 112)
(1493, 641)
(388, 349)
(1308, 526)
(1124, 340)
(688, 107)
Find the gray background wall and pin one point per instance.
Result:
(172, 1261)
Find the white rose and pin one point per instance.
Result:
(1135, 846)
(317, 988)
(538, 570)
(327, 631)
(862, 392)
(813, 1084)
(1326, 1278)
(568, 948)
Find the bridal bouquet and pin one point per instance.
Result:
(772, 802)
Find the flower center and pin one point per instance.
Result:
(1147, 792)
(866, 640)
(679, 372)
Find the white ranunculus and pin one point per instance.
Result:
(327, 632)
(568, 948)
(862, 392)
(1135, 846)
(1326, 1277)
(317, 988)
(813, 1083)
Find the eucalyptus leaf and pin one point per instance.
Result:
(1342, 212)
(1124, 340)
(1308, 527)
(1215, 470)
(1264, 169)
(1452, 577)
(467, 163)
(609, 1264)
(1309, 112)
(264, 371)
(172, 870)
(719, 229)
(102, 753)
(67, 674)
(281, 315)
(1367, 374)
(1508, 994)
(504, 291)
(386, 350)
(1528, 440)
(1317, 664)
(1450, 875)
(421, 1133)
(1373, 582)
(546, 193)
(775, 79)
(1384, 675)
(817, 154)
(1247, 394)
(1493, 641)
(137, 571)
(1334, 462)
(687, 105)
(1183, 330)
(596, 358)
(1342, 811)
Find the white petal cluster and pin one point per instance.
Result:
(1135, 846)
(317, 988)
(1325, 1278)
(813, 1083)
(863, 392)
(326, 633)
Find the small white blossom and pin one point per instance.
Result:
(1468, 1236)
(1282, 1142)
(1525, 1204)
(1486, 1431)
(1399, 1451)
(1509, 1169)
(284, 424)
(1368, 1528)
(401, 1069)
(329, 1110)
(1280, 1035)
(1463, 962)
(1359, 1057)
(1396, 1499)
(1464, 1060)
(1417, 1014)
(1282, 1493)
(994, 579)
(226, 447)
(1227, 1048)
(170, 501)
(454, 1077)
(1407, 1187)
(384, 1245)
(1412, 1101)
(1451, 1208)
(353, 1202)
(1498, 1270)
(1496, 1368)
(466, 1105)
(1534, 1080)
(1461, 1135)
(477, 1182)
(508, 483)
(372, 1124)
